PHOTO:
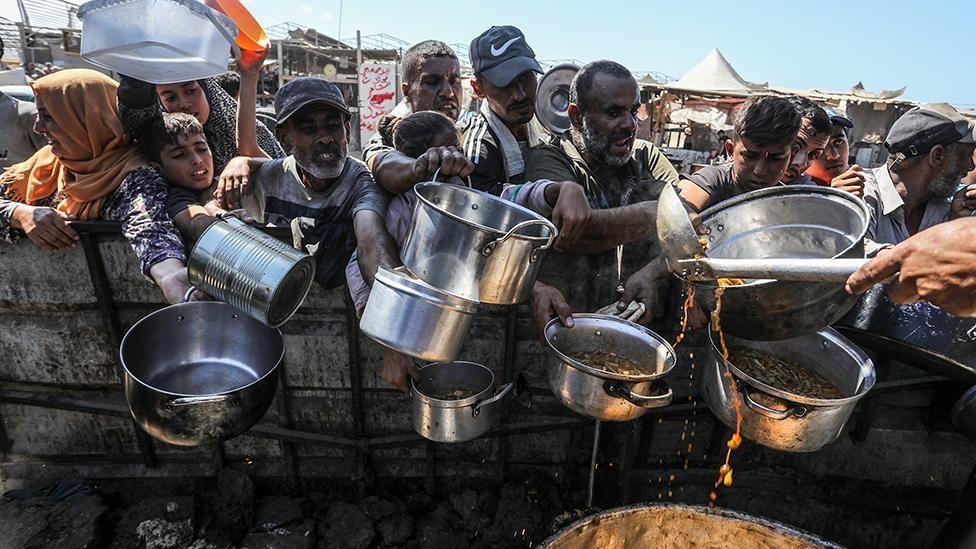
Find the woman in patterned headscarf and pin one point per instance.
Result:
(89, 170)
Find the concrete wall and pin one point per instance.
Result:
(902, 480)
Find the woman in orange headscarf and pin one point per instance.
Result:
(89, 171)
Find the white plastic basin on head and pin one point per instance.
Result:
(157, 41)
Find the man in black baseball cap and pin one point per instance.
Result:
(505, 71)
(931, 149)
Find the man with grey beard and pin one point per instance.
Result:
(622, 177)
(931, 149)
(328, 198)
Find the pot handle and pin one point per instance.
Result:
(618, 389)
(187, 401)
(507, 388)
(186, 296)
(490, 247)
(778, 415)
(438, 171)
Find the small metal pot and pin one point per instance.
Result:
(778, 419)
(600, 394)
(475, 245)
(251, 271)
(199, 372)
(443, 420)
(408, 315)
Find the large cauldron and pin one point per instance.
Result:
(668, 525)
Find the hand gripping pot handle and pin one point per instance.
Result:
(797, 411)
(618, 389)
(438, 171)
(507, 388)
(211, 14)
(490, 247)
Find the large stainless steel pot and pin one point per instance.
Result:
(918, 334)
(784, 222)
(199, 372)
(778, 419)
(253, 272)
(444, 420)
(475, 245)
(408, 315)
(600, 394)
(669, 525)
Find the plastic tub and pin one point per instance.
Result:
(157, 41)
(250, 35)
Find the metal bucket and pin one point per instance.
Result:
(475, 245)
(253, 272)
(455, 420)
(408, 315)
(600, 394)
(776, 418)
(784, 222)
(669, 525)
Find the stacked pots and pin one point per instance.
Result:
(464, 248)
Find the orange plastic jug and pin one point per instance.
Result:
(250, 35)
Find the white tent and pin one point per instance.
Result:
(714, 75)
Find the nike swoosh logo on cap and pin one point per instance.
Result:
(501, 50)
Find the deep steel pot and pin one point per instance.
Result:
(600, 394)
(659, 525)
(408, 315)
(251, 271)
(778, 419)
(475, 245)
(443, 420)
(199, 372)
(783, 222)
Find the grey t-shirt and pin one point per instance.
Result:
(321, 221)
(716, 181)
(18, 142)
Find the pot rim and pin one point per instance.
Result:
(197, 304)
(602, 374)
(491, 198)
(460, 403)
(785, 190)
(403, 282)
(864, 387)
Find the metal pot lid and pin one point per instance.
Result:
(829, 334)
(599, 326)
(458, 403)
(708, 217)
(552, 98)
(402, 281)
(422, 189)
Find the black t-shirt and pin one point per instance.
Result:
(179, 199)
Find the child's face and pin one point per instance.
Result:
(187, 163)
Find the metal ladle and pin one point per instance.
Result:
(685, 250)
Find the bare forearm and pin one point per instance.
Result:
(382, 252)
(394, 171)
(247, 135)
(608, 229)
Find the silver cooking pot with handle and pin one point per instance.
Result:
(438, 413)
(410, 316)
(251, 271)
(779, 419)
(199, 372)
(598, 393)
(783, 222)
(475, 245)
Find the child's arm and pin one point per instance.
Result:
(232, 186)
(193, 221)
(249, 65)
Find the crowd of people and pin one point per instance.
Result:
(164, 160)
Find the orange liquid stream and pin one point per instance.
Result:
(725, 472)
(688, 304)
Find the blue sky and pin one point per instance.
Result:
(826, 44)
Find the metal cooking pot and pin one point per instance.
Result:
(600, 394)
(475, 245)
(918, 334)
(440, 419)
(251, 271)
(408, 315)
(778, 419)
(783, 222)
(670, 525)
(199, 372)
